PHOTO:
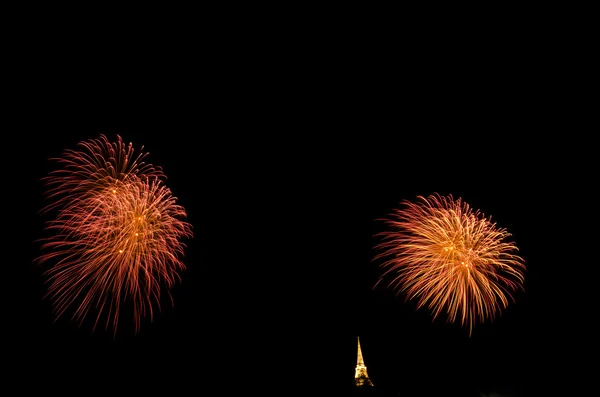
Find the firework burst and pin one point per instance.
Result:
(116, 239)
(449, 258)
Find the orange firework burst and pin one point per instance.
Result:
(450, 258)
(116, 237)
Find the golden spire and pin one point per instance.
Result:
(360, 373)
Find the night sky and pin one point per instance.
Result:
(283, 172)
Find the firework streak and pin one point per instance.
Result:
(449, 258)
(116, 237)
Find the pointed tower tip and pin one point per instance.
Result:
(360, 360)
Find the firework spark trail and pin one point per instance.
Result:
(116, 238)
(97, 162)
(450, 258)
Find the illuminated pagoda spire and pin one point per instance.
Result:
(361, 379)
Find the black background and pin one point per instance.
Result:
(284, 152)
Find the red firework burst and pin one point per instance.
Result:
(450, 258)
(117, 235)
